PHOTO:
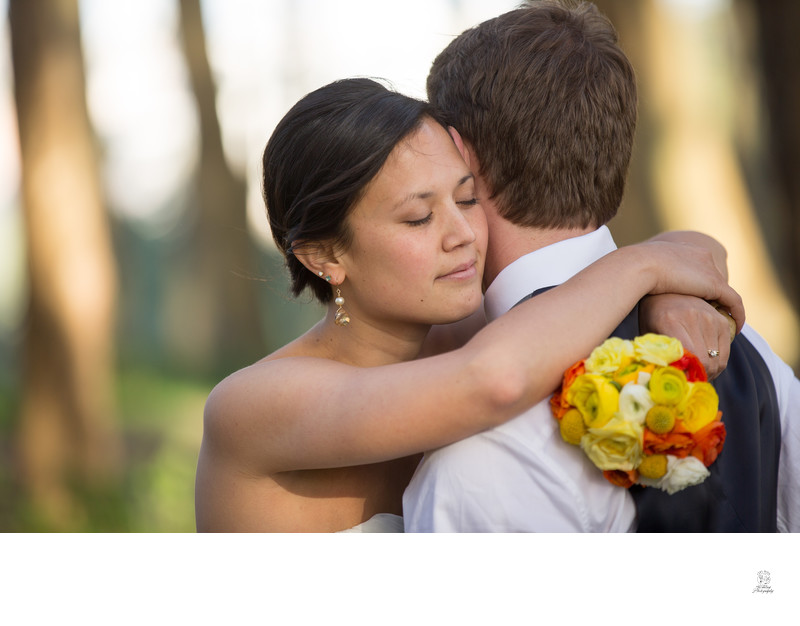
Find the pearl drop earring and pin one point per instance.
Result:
(341, 318)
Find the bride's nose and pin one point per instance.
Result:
(458, 231)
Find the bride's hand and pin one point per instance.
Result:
(694, 322)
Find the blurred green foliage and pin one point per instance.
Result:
(162, 425)
(161, 419)
(160, 394)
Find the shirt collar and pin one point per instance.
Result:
(545, 267)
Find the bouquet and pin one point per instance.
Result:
(643, 411)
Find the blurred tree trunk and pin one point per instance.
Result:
(69, 444)
(779, 62)
(687, 172)
(637, 218)
(223, 291)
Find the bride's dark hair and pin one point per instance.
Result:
(319, 160)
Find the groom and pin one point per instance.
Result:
(545, 103)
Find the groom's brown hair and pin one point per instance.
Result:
(547, 100)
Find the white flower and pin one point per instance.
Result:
(635, 402)
(643, 378)
(681, 473)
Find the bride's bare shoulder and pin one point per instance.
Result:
(266, 383)
(259, 400)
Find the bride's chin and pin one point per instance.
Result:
(462, 313)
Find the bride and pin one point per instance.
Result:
(375, 210)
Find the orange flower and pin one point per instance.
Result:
(558, 402)
(621, 478)
(678, 442)
(690, 365)
(573, 372)
(709, 440)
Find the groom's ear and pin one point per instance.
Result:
(459, 141)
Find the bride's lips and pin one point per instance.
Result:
(462, 272)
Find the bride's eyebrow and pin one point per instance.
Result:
(414, 195)
(465, 179)
(422, 195)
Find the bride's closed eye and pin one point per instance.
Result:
(467, 203)
(422, 221)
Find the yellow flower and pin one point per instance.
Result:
(572, 427)
(660, 419)
(658, 349)
(653, 466)
(668, 385)
(699, 408)
(595, 397)
(609, 357)
(616, 446)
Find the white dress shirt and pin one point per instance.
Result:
(787, 389)
(521, 476)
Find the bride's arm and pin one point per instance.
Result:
(304, 413)
(718, 251)
(445, 337)
(691, 320)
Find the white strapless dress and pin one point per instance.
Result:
(380, 523)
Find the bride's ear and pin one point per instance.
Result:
(320, 259)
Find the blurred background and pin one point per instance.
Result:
(136, 269)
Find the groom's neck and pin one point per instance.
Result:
(508, 242)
